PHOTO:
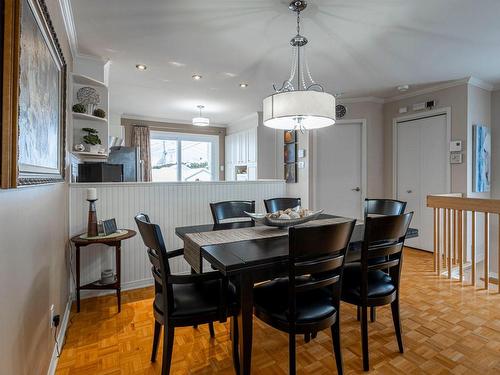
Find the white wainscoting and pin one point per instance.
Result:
(168, 204)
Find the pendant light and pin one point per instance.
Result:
(306, 105)
(201, 121)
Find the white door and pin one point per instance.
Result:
(338, 169)
(422, 169)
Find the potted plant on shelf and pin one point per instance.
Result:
(93, 140)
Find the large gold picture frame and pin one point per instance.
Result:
(33, 111)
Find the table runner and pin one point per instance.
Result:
(194, 241)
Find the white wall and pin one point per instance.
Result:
(495, 175)
(169, 204)
(33, 262)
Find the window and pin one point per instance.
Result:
(184, 157)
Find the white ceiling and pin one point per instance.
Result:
(357, 47)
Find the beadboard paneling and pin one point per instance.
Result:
(168, 204)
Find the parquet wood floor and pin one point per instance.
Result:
(448, 329)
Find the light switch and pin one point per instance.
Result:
(301, 165)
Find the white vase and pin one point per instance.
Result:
(94, 149)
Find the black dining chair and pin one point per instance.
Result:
(231, 210)
(384, 207)
(277, 204)
(366, 284)
(378, 207)
(184, 300)
(308, 300)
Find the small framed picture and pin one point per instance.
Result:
(291, 173)
(290, 136)
(290, 153)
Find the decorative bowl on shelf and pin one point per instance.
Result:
(273, 221)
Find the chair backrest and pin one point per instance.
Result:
(384, 207)
(231, 210)
(276, 204)
(157, 253)
(316, 259)
(383, 246)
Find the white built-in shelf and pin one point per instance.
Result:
(90, 155)
(85, 116)
(80, 79)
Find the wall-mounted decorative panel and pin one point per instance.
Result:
(169, 204)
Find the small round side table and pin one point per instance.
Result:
(115, 242)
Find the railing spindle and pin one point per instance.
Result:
(486, 251)
(473, 248)
(460, 246)
(438, 242)
(448, 242)
(435, 237)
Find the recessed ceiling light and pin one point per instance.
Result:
(243, 85)
(141, 67)
(403, 88)
(196, 77)
(176, 63)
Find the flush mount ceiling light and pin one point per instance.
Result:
(243, 85)
(201, 121)
(403, 88)
(141, 67)
(306, 105)
(196, 77)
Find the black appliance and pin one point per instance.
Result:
(129, 157)
(100, 172)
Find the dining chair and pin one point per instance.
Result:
(384, 207)
(376, 207)
(366, 284)
(308, 300)
(184, 300)
(277, 204)
(231, 210)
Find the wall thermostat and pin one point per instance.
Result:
(301, 153)
(455, 146)
(456, 158)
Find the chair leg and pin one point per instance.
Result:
(156, 339)
(235, 338)
(291, 354)
(168, 346)
(314, 335)
(336, 346)
(397, 324)
(307, 337)
(358, 313)
(373, 314)
(211, 329)
(195, 326)
(364, 338)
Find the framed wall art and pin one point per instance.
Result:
(481, 159)
(33, 98)
(290, 155)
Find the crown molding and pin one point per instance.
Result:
(69, 25)
(164, 120)
(481, 84)
(363, 99)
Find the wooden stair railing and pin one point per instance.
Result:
(451, 212)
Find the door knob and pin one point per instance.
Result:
(409, 191)
(356, 189)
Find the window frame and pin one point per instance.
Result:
(179, 137)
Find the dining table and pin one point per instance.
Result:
(252, 260)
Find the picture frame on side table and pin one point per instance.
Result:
(33, 97)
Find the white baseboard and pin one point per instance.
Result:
(60, 338)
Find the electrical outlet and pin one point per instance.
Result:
(51, 315)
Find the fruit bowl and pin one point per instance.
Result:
(268, 220)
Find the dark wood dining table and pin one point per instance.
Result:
(253, 261)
